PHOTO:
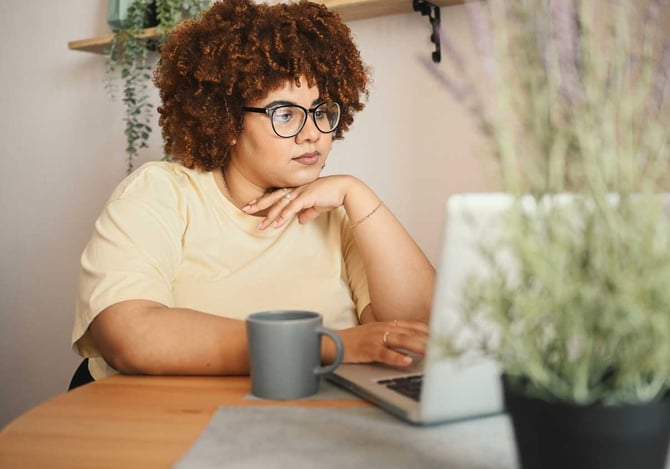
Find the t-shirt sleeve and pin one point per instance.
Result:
(133, 251)
(355, 269)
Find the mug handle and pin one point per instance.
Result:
(339, 346)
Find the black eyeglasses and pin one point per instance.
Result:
(288, 120)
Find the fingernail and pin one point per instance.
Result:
(247, 207)
(407, 359)
(260, 225)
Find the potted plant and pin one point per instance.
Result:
(130, 54)
(575, 110)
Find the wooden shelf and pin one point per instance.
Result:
(361, 9)
(349, 9)
(98, 44)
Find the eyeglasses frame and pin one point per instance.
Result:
(270, 110)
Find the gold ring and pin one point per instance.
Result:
(395, 323)
(386, 336)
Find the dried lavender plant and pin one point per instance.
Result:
(576, 101)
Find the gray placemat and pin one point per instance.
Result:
(366, 437)
(327, 392)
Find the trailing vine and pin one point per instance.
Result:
(129, 54)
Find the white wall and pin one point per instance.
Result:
(62, 154)
(413, 143)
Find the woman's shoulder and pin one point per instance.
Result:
(160, 178)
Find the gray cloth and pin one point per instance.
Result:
(366, 437)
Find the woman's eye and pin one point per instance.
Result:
(282, 116)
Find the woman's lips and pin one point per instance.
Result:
(307, 158)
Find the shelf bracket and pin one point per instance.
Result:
(433, 12)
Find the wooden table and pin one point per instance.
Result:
(125, 422)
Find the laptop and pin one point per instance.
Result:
(437, 389)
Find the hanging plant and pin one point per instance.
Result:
(130, 55)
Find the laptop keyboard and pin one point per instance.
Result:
(409, 386)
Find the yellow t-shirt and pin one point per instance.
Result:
(168, 234)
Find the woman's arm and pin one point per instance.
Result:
(400, 277)
(145, 337)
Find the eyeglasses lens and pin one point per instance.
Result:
(327, 116)
(288, 120)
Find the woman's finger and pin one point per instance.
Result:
(268, 200)
(278, 213)
(288, 211)
(301, 205)
(416, 326)
(309, 214)
(394, 358)
(400, 340)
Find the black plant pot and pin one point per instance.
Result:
(117, 13)
(556, 435)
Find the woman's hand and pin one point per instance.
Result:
(386, 342)
(307, 202)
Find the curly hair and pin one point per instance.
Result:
(236, 53)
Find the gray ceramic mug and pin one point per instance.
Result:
(285, 353)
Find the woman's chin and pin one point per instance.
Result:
(303, 177)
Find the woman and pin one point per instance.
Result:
(252, 98)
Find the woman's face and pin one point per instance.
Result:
(266, 160)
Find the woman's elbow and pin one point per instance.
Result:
(124, 362)
(120, 355)
(117, 346)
